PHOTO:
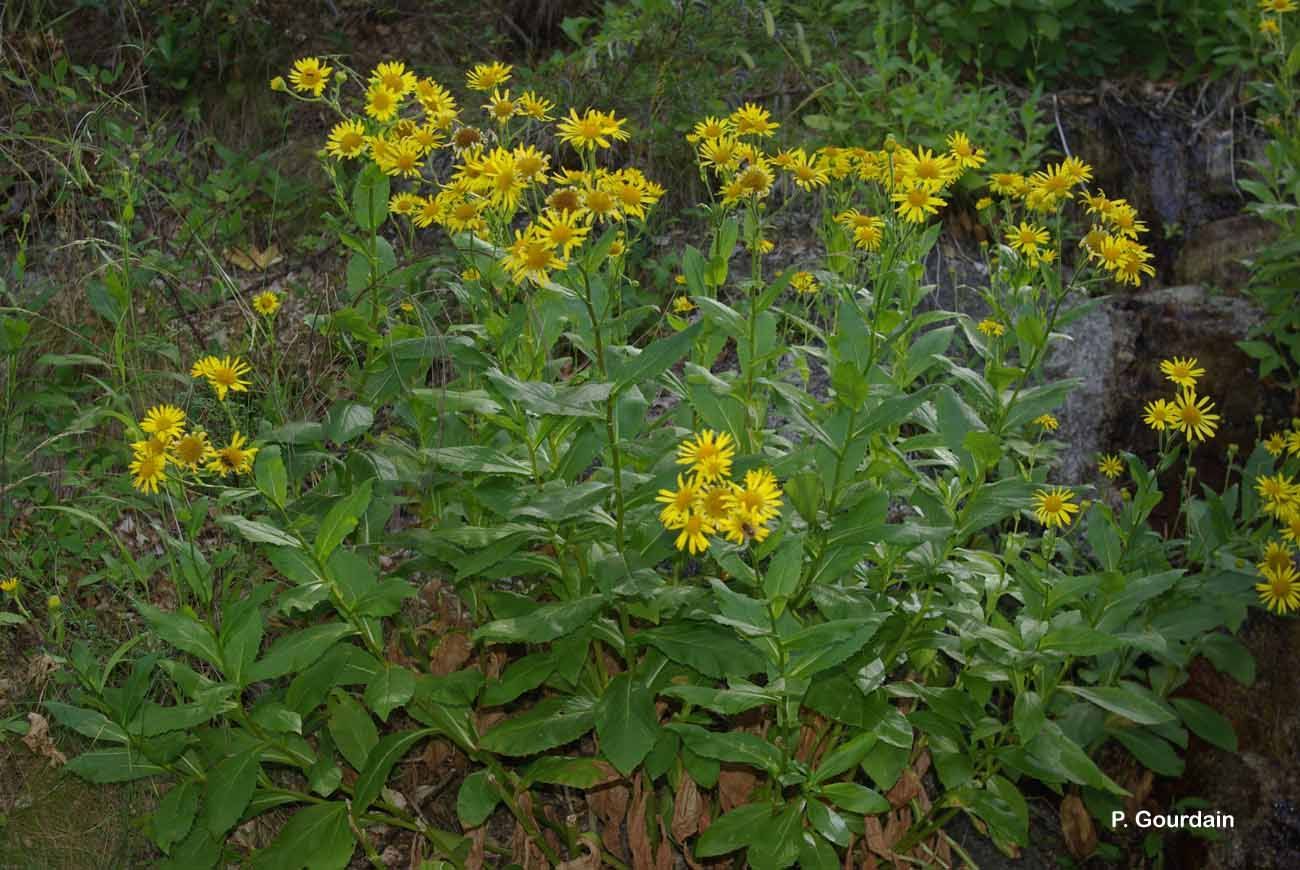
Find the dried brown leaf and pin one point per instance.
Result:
(589, 861)
(638, 838)
(1076, 825)
(453, 651)
(735, 784)
(38, 740)
(687, 805)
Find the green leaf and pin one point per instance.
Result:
(230, 787)
(823, 646)
(293, 652)
(1028, 715)
(1130, 701)
(776, 844)
(370, 198)
(88, 723)
(1055, 753)
(545, 399)
(547, 622)
(257, 532)
(581, 773)
(782, 578)
(999, 805)
(548, 724)
(522, 675)
(626, 722)
(655, 359)
(341, 520)
(175, 815)
(112, 765)
(1079, 640)
(351, 727)
(348, 420)
(477, 798)
(733, 830)
(269, 473)
(1206, 723)
(728, 702)
(183, 632)
(389, 689)
(710, 649)
(318, 837)
(1149, 750)
(737, 747)
(476, 458)
(856, 798)
(380, 763)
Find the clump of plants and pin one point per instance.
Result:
(765, 608)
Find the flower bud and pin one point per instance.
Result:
(277, 84)
(54, 602)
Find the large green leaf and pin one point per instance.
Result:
(626, 722)
(547, 622)
(736, 747)
(1130, 701)
(341, 520)
(825, 645)
(656, 359)
(476, 459)
(88, 723)
(183, 632)
(733, 830)
(295, 651)
(230, 787)
(352, 728)
(550, 723)
(856, 798)
(387, 752)
(370, 198)
(318, 837)
(477, 798)
(710, 649)
(258, 532)
(389, 689)
(112, 765)
(1206, 723)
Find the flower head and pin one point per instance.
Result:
(991, 328)
(234, 458)
(486, 76)
(759, 498)
(149, 471)
(309, 75)
(347, 140)
(9, 586)
(804, 282)
(1054, 507)
(1280, 590)
(1275, 444)
(709, 455)
(224, 374)
(266, 303)
(1182, 372)
(1159, 414)
(677, 503)
(683, 305)
(753, 120)
(1192, 416)
(1110, 466)
(164, 422)
(693, 529)
(1048, 422)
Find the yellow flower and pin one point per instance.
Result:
(867, 237)
(983, 202)
(759, 499)
(234, 458)
(530, 259)
(1054, 507)
(739, 527)
(381, 103)
(1182, 372)
(225, 374)
(991, 328)
(1280, 590)
(1277, 6)
(153, 446)
(619, 248)
(683, 305)
(1293, 442)
(720, 153)
(501, 107)
(766, 246)
(470, 274)
(693, 527)
(753, 120)
(561, 231)
(394, 77)
(1048, 422)
(163, 421)
(709, 454)
(436, 100)
(1026, 238)
(9, 586)
(266, 303)
(1292, 530)
(923, 168)
(1269, 27)
(1110, 466)
(530, 105)
(347, 139)
(964, 153)
(309, 75)
(590, 130)
(530, 163)
(192, 449)
(502, 179)
(807, 173)
(679, 502)
(1277, 488)
(1159, 414)
(401, 158)
(1192, 417)
(1007, 183)
(54, 602)
(916, 204)
(486, 76)
(804, 282)
(709, 128)
(1275, 444)
(1277, 556)
(149, 471)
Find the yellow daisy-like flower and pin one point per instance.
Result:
(964, 153)
(1293, 442)
(619, 248)
(530, 105)
(916, 204)
(1182, 372)
(709, 454)
(759, 498)
(1027, 238)
(1277, 487)
(709, 128)
(347, 140)
(753, 120)
(766, 246)
(720, 153)
(9, 586)
(1192, 416)
(1048, 422)
(234, 458)
(163, 421)
(1054, 507)
(1277, 556)
(1275, 444)
(1269, 26)
(152, 446)
(693, 528)
(529, 258)
(381, 103)
(755, 179)
(592, 129)
(1280, 591)
(983, 202)
(683, 305)
(561, 231)
(1292, 530)
(808, 173)
(531, 163)
(470, 274)
(717, 503)
(681, 501)
(1110, 466)
(394, 77)
(266, 303)
(991, 328)
(804, 282)
(225, 374)
(1007, 183)
(1278, 7)
(867, 237)
(436, 100)
(310, 76)
(501, 107)
(1159, 414)
(192, 449)
(149, 471)
(486, 76)
(924, 168)
(739, 528)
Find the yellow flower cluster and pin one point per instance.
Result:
(1269, 25)
(169, 444)
(1280, 442)
(707, 501)
(406, 118)
(1113, 243)
(1186, 412)
(1280, 589)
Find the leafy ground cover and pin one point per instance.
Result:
(484, 496)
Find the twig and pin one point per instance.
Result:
(1060, 131)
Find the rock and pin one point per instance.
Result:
(1213, 253)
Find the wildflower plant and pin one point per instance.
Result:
(651, 520)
